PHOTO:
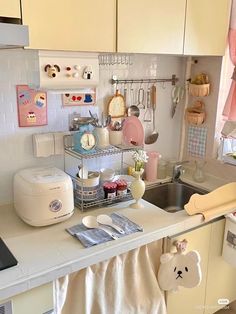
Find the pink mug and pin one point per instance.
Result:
(151, 166)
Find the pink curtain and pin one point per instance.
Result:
(229, 112)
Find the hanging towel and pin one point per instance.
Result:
(125, 284)
(179, 269)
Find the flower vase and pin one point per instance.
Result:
(137, 189)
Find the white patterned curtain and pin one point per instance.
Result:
(229, 112)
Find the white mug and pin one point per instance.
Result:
(115, 137)
(102, 137)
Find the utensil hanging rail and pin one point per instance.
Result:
(173, 80)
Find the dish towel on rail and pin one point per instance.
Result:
(123, 284)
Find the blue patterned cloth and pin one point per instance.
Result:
(90, 237)
(197, 137)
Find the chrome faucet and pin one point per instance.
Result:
(178, 170)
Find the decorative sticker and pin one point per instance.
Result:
(32, 106)
(197, 138)
(79, 99)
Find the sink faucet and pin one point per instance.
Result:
(178, 170)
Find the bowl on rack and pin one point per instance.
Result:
(107, 174)
(87, 189)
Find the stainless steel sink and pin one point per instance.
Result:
(171, 197)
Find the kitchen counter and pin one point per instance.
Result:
(47, 253)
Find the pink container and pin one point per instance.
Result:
(151, 166)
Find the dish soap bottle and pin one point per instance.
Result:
(198, 174)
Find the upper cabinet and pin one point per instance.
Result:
(79, 25)
(150, 26)
(206, 27)
(189, 27)
(10, 8)
(180, 27)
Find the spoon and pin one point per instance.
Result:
(106, 220)
(91, 223)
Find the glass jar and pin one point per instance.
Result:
(170, 167)
(162, 169)
(198, 174)
(110, 189)
(121, 187)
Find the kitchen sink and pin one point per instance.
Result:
(171, 197)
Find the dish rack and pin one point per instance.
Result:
(74, 158)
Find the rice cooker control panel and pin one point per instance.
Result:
(55, 206)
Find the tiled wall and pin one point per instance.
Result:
(20, 67)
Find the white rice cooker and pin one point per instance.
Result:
(43, 196)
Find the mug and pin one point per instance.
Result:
(115, 137)
(102, 137)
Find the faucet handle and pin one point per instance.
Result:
(180, 163)
(178, 170)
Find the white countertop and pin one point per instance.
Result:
(47, 253)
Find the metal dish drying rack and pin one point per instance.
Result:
(100, 201)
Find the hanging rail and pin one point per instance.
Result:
(173, 80)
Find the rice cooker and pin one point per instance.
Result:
(43, 196)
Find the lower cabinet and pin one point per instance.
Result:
(218, 277)
(221, 276)
(35, 301)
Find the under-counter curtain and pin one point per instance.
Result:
(229, 112)
(123, 284)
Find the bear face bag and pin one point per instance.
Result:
(179, 269)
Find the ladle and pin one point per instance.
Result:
(91, 223)
(150, 139)
(107, 220)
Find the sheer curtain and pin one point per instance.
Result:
(229, 111)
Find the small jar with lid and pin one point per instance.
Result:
(162, 169)
(121, 188)
(110, 189)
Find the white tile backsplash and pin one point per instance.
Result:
(19, 66)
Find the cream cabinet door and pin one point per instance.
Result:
(79, 25)
(36, 301)
(191, 301)
(221, 279)
(10, 8)
(150, 26)
(206, 28)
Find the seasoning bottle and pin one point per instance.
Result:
(110, 189)
(121, 187)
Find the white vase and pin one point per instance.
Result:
(137, 189)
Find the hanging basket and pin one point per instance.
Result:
(199, 90)
(196, 114)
